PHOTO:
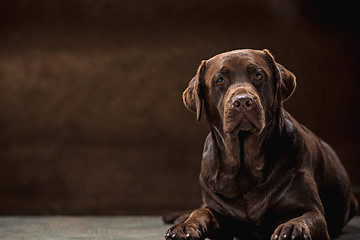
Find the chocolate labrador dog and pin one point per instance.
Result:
(263, 174)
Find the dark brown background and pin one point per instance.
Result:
(91, 116)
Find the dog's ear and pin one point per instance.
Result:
(287, 80)
(192, 96)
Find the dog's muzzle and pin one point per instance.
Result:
(243, 111)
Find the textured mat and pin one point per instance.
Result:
(104, 228)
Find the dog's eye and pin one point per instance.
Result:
(220, 81)
(258, 76)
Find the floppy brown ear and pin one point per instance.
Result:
(288, 83)
(287, 80)
(192, 96)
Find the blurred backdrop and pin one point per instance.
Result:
(91, 115)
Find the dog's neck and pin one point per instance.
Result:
(243, 153)
(239, 153)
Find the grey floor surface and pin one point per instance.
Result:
(104, 228)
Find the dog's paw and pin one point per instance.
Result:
(185, 231)
(292, 230)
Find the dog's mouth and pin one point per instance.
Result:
(245, 121)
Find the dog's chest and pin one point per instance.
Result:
(234, 187)
(243, 198)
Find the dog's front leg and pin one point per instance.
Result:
(200, 224)
(309, 226)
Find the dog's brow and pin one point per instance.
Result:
(225, 69)
(252, 67)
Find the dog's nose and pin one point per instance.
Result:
(243, 102)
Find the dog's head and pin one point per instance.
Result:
(239, 89)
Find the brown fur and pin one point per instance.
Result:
(263, 175)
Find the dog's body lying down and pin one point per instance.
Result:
(263, 175)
